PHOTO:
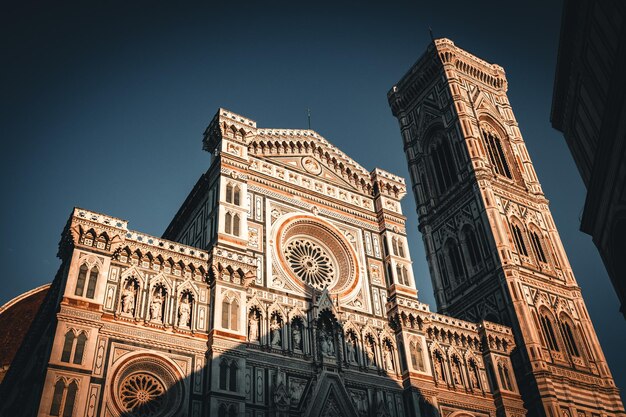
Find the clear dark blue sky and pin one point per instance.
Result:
(103, 105)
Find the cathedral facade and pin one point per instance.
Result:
(283, 287)
(492, 245)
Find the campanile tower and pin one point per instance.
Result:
(492, 246)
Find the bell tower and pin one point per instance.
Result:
(492, 246)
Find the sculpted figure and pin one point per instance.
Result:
(297, 337)
(128, 299)
(388, 359)
(156, 306)
(275, 331)
(253, 328)
(351, 351)
(184, 311)
(369, 354)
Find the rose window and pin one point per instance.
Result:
(146, 386)
(142, 395)
(310, 262)
(312, 255)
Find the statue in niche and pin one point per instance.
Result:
(388, 358)
(275, 332)
(253, 328)
(327, 345)
(184, 311)
(420, 357)
(156, 305)
(297, 335)
(350, 347)
(456, 373)
(474, 377)
(128, 299)
(370, 357)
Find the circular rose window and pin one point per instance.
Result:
(314, 254)
(310, 262)
(146, 386)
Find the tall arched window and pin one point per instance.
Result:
(518, 239)
(496, 154)
(80, 281)
(394, 245)
(456, 262)
(63, 399)
(232, 385)
(503, 371)
(236, 225)
(67, 346)
(228, 223)
(91, 285)
(535, 240)
(230, 314)
(80, 348)
(568, 336)
(57, 398)
(443, 165)
(548, 330)
(224, 369)
(236, 196)
(400, 248)
(473, 249)
(229, 193)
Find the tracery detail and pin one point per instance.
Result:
(142, 395)
(310, 262)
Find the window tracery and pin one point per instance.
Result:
(73, 347)
(63, 399)
(497, 157)
(230, 312)
(518, 238)
(442, 162)
(83, 272)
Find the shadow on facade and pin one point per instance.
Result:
(320, 369)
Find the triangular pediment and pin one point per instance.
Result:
(308, 152)
(330, 399)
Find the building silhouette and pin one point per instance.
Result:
(493, 250)
(589, 107)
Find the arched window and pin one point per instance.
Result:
(69, 399)
(91, 285)
(236, 196)
(570, 341)
(224, 369)
(503, 371)
(236, 225)
(229, 193)
(232, 386)
(518, 239)
(234, 315)
(473, 249)
(223, 410)
(67, 346)
(399, 274)
(443, 164)
(400, 248)
(57, 398)
(63, 399)
(394, 245)
(548, 330)
(230, 314)
(496, 154)
(454, 256)
(80, 348)
(80, 282)
(228, 223)
(535, 240)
